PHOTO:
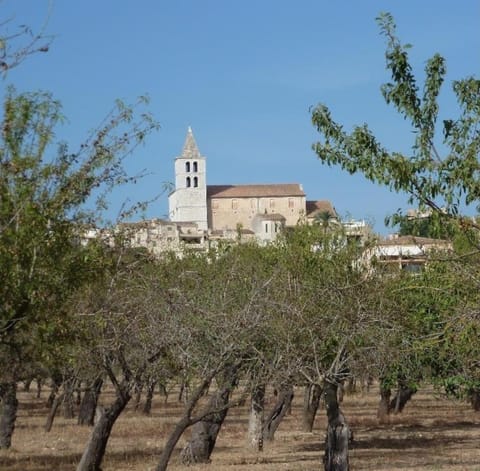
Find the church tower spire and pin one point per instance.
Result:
(188, 203)
(190, 148)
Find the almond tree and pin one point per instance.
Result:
(45, 196)
(440, 174)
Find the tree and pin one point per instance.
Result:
(17, 45)
(441, 180)
(45, 197)
(342, 327)
(441, 183)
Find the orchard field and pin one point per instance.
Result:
(432, 433)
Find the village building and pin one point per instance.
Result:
(409, 253)
(232, 211)
(203, 216)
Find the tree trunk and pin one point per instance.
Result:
(171, 442)
(52, 395)
(26, 384)
(53, 411)
(404, 394)
(8, 413)
(68, 401)
(311, 401)
(282, 406)
(39, 387)
(256, 419)
(338, 432)
(95, 450)
(163, 390)
(138, 395)
(182, 424)
(183, 393)
(205, 432)
(147, 407)
(475, 399)
(86, 414)
(383, 410)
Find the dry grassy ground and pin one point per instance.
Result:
(431, 434)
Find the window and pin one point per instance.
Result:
(214, 204)
(189, 182)
(272, 203)
(253, 203)
(266, 227)
(195, 166)
(195, 181)
(234, 204)
(187, 166)
(291, 203)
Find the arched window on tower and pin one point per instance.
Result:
(195, 166)
(195, 181)
(189, 182)
(187, 166)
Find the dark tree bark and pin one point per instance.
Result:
(147, 407)
(53, 411)
(383, 410)
(93, 455)
(311, 401)
(340, 392)
(138, 395)
(183, 393)
(27, 383)
(8, 412)
(338, 432)
(256, 418)
(163, 390)
(205, 432)
(39, 387)
(68, 399)
(475, 399)
(78, 393)
(404, 394)
(282, 406)
(86, 414)
(56, 382)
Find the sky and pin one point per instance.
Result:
(244, 75)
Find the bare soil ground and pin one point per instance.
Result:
(431, 434)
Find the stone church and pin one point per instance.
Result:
(219, 211)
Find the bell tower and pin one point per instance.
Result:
(188, 203)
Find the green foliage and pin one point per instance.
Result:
(43, 215)
(441, 183)
(437, 333)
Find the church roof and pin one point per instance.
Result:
(190, 148)
(322, 206)
(254, 191)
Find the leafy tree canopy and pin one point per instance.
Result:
(442, 183)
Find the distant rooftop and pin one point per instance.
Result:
(255, 191)
(318, 207)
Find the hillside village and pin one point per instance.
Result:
(201, 216)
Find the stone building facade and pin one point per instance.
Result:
(259, 209)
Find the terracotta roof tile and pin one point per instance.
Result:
(318, 207)
(254, 191)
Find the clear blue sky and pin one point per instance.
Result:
(243, 74)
